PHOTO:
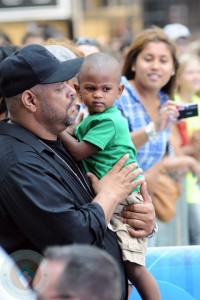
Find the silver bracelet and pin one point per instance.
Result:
(150, 131)
(155, 229)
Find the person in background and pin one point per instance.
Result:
(80, 272)
(88, 45)
(5, 39)
(38, 34)
(187, 139)
(46, 198)
(52, 32)
(66, 43)
(149, 71)
(5, 51)
(33, 38)
(180, 34)
(194, 47)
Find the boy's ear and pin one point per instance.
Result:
(120, 90)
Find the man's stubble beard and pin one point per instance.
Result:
(51, 117)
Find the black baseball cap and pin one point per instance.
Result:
(32, 65)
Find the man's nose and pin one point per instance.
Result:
(70, 88)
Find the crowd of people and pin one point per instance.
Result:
(84, 137)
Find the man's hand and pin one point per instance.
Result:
(118, 182)
(141, 217)
(115, 186)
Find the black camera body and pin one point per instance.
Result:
(188, 110)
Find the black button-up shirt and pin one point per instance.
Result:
(44, 198)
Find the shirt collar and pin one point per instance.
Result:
(129, 88)
(22, 134)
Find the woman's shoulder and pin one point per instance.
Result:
(129, 94)
(124, 81)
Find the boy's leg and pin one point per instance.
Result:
(133, 251)
(142, 279)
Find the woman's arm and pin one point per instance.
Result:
(193, 147)
(139, 137)
(166, 117)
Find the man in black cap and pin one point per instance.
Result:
(45, 197)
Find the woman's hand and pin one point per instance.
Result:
(167, 116)
(141, 217)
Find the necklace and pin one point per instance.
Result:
(71, 170)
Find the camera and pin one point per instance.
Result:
(188, 110)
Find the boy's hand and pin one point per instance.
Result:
(70, 129)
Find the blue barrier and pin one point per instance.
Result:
(176, 270)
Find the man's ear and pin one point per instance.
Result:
(29, 100)
(120, 90)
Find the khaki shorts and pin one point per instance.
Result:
(133, 249)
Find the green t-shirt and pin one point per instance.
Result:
(110, 133)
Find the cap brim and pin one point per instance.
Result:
(67, 70)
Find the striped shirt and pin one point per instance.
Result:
(133, 110)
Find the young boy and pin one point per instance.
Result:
(103, 137)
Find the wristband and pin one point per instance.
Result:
(155, 229)
(150, 131)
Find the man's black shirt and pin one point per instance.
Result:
(43, 202)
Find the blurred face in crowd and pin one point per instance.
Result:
(182, 44)
(154, 66)
(48, 290)
(88, 49)
(189, 75)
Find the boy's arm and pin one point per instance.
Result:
(78, 150)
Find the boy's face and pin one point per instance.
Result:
(99, 89)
